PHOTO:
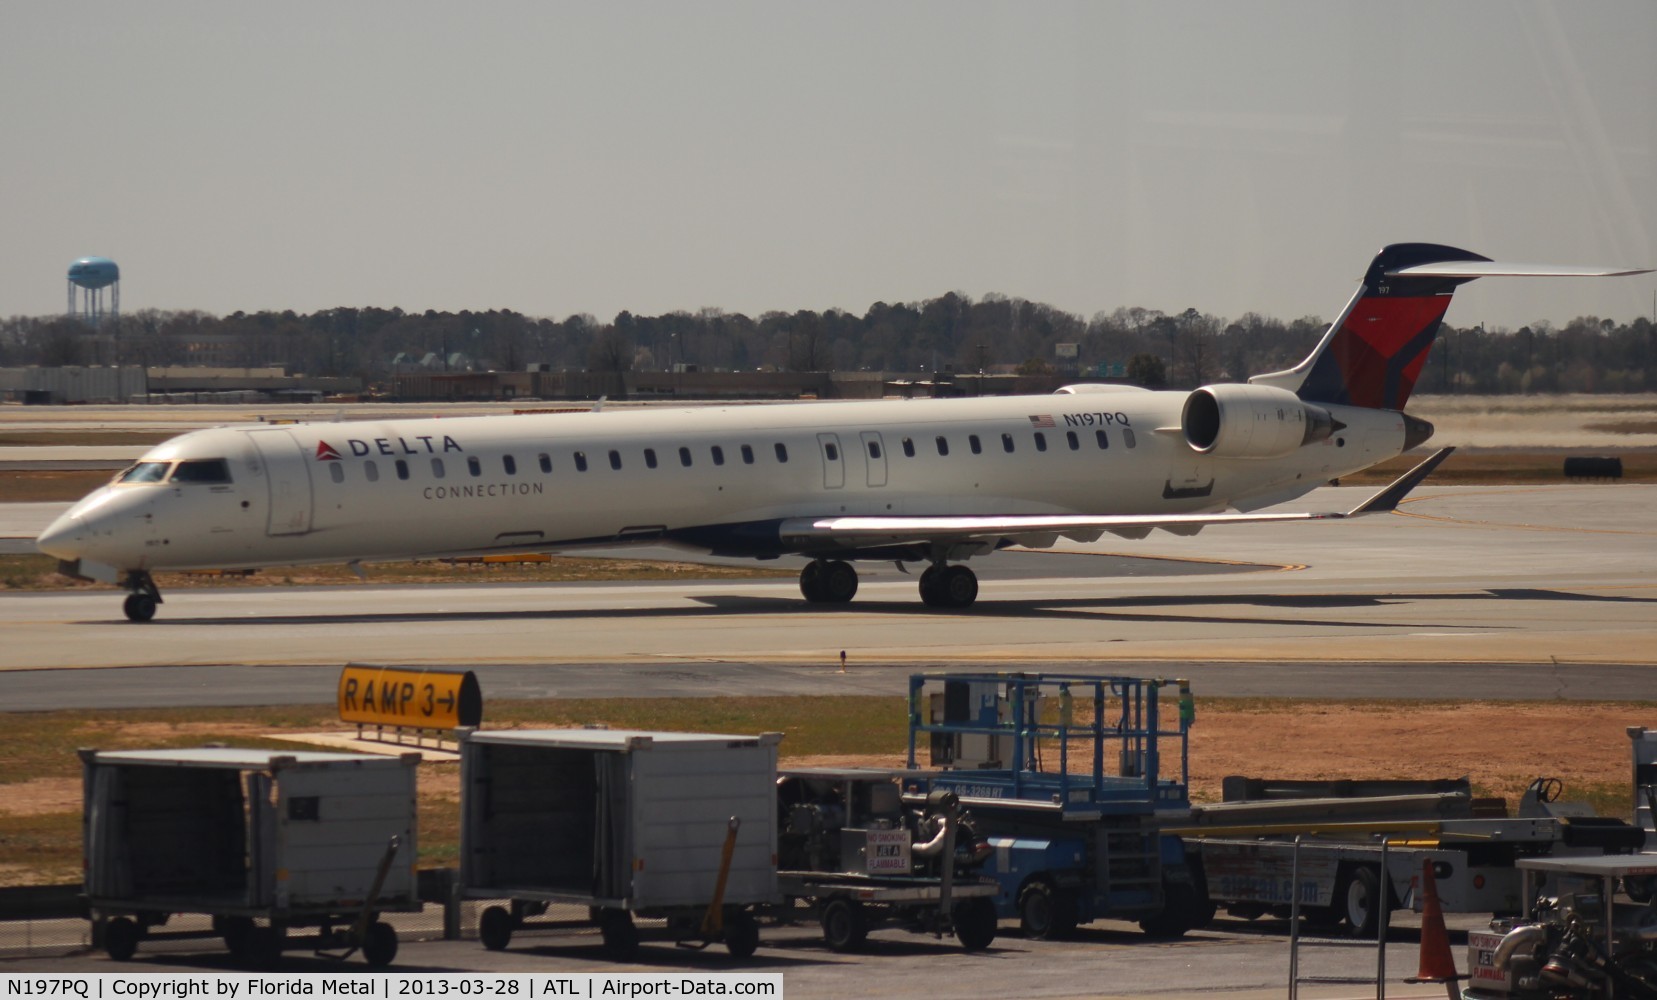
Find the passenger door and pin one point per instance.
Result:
(288, 471)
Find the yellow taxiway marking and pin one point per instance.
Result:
(1504, 525)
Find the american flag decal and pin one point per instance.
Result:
(1041, 420)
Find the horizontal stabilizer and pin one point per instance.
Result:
(1498, 269)
(1389, 498)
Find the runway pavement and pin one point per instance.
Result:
(1535, 592)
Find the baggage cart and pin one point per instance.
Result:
(630, 824)
(262, 841)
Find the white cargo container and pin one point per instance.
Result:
(261, 840)
(627, 823)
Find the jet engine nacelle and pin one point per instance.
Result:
(1251, 421)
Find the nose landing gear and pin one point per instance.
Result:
(143, 596)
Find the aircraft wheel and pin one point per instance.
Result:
(811, 581)
(958, 587)
(839, 582)
(930, 591)
(139, 607)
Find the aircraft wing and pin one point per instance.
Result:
(1042, 530)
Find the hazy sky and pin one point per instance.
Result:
(556, 158)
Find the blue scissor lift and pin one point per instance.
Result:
(1069, 777)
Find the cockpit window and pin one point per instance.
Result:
(145, 472)
(202, 470)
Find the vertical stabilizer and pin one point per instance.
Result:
(1374, 353)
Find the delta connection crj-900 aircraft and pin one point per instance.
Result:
(931, 481)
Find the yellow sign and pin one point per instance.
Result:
(417, 699)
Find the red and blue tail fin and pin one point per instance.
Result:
(1375, 352)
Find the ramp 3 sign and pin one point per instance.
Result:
(416, 699)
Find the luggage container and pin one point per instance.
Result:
(262, 841)
(679, 826)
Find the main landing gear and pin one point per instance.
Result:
(834, 581)
(828, 581)
(142, 598)
(944, 586)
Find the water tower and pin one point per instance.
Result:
(92, 275)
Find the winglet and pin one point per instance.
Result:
(1389, 498)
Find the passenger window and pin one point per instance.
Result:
(510, 464)
(782, 452)
(1007, 443)
(581, 461)
(1041, 441)
(336, 472)
(371, 471)
(718, 455)
(615, 459)
(973, 443)
(546, 462)
(1127, 437)
(145, 472)
(650, 458)
(1075, 442)
(1100, 436)
(203, 470)
(908, 448)
(874, 449)
(474, 466)
(437, 468)
(402, 469)
(943, 445)
(684, 457)
(830, 452)
(747, 455)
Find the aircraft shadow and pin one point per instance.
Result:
(1122, 609)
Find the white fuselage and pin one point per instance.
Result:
(710, 477)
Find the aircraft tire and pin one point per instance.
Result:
(930, 591)
(811, 581)
(838, 582)
(139, 607)
(958, 587)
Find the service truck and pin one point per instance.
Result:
(1070, 778)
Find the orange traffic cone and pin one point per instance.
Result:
(1438, 965)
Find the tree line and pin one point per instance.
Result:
(951, 333)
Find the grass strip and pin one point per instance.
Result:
(1291, 738)
(39, 572)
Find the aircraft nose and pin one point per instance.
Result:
(63, 538)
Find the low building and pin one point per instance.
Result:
(72, 384)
